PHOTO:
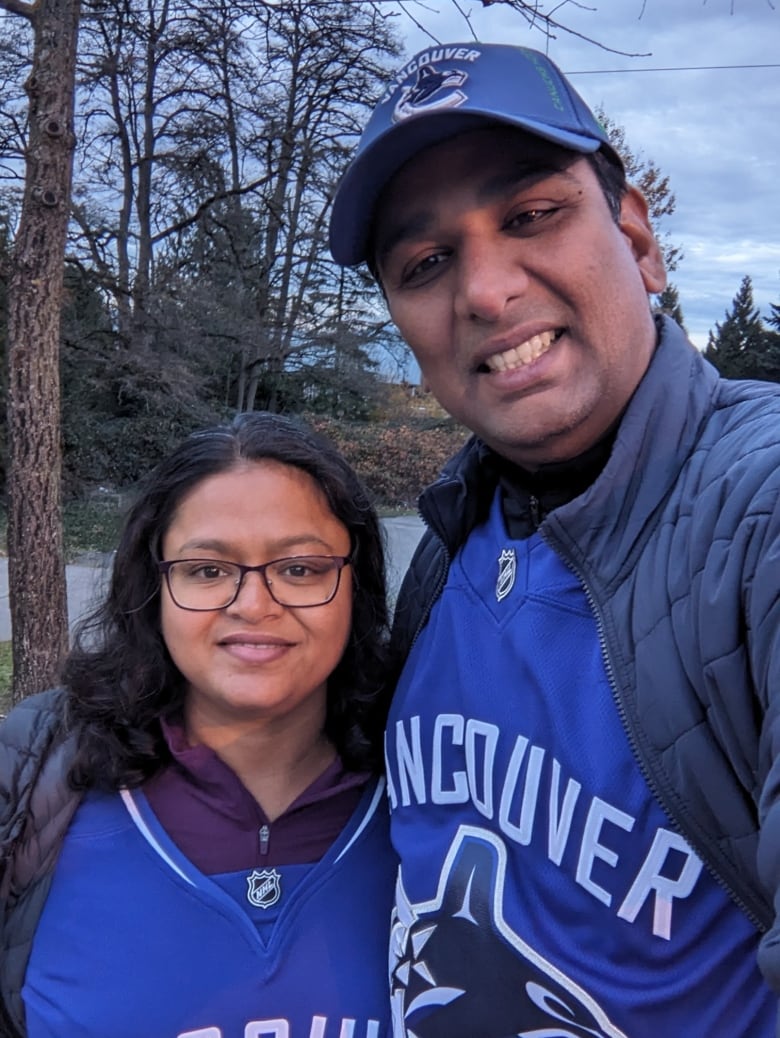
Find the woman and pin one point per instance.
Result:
(195, 843)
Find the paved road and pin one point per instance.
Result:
(86, 582)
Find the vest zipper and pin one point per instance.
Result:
(700, 850)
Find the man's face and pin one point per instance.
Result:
(523, 301)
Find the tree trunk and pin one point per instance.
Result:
(36, 568)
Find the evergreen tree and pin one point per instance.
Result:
(668, 302)
(653, 184)
(772, 342)
(6, 241)
(741, 347)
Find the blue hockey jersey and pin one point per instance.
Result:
(543, 890)
(134, 942)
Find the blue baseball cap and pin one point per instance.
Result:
(446, 90)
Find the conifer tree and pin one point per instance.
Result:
(668, 302)
(741, 347)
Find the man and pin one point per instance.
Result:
(582, 748)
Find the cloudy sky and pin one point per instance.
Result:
(714, 130)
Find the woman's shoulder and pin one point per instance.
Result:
(26, 736)
(34, 718)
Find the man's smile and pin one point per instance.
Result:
(524, 353)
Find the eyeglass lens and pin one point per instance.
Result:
(306, 580)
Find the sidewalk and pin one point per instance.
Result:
(86, 582)
(88, 578)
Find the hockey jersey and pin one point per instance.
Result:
(543, 889)
(134, 942)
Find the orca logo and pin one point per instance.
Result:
(458, 970)
(423, 95)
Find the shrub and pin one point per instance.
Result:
(395, 460)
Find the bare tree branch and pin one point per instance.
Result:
(529, 10)
(550, 26)
(20, 7)
(205, 205)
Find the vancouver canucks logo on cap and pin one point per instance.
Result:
(433, 89)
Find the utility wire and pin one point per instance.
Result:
(681, 68)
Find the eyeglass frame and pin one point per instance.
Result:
(341, 561)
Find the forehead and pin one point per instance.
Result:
(490, 161)
(264, 487)
(252, 505)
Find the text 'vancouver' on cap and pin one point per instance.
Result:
(446, 90)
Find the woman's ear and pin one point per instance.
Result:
(634, 222)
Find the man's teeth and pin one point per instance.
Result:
(519, 356)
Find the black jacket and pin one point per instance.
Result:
(36, 807)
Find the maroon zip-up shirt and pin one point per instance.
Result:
(216, 822)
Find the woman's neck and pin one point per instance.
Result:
(276, 762)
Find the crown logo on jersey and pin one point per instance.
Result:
(507, 571)
(426, 94)
(265, 887)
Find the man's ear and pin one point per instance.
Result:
(634, 222)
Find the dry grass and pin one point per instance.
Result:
(5, 677)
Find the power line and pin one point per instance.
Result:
(680, 68)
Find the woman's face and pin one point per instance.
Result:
(256, 662)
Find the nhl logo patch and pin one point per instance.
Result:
(507, 571)
(265, 887)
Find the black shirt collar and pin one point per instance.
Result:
(527, 497)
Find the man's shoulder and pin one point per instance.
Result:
(745, 423)
(763, 397)
(732, 476)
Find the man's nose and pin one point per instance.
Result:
(490, 276)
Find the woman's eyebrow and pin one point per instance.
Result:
(281, 544)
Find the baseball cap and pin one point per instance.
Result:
(446, 90)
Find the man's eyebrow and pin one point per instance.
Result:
(412, 227)
(519, 176)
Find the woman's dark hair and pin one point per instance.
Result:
(120, 679)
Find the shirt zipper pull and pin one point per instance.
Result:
(265, 835)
